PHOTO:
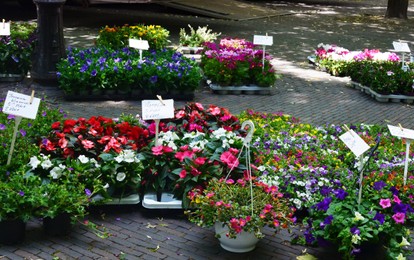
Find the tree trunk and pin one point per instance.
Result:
(397, 9)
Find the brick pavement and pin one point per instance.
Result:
(313, 96)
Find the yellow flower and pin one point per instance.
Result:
(400, 257)
(358, 216)
(404, 242)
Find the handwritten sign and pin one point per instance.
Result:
(4, 29)
(138, 44)
(263, 40)
(401, 132)
(19, 105)
(354, 142)
(156, 109)
(401, 47)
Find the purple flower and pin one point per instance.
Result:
(88, 192)
(84, 68)
(379, 217)
(154, 79)
(326, 221)
(115, 69)
(324, 204)
(22, 132)
(341, 194)
(325, 191)
(44, 113)
(11, 117)
(355, 231)
(379, 185)
(21, 193)
(93, 73)
(2, 127)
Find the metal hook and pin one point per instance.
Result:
(250, 131)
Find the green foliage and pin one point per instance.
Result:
(197, 37)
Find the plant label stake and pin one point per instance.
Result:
(156, 110)
(402, 47)
(4, 28)
(20, 106)
(408, 135)
(246, 144)
(140, 45)
(358, 146)
(264, 41)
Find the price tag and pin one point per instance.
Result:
(263, 40)
(4, 29)
(401, 47)
(157, 109)
(21, 105)
(354, 142)
(401, 132)
(138, 44)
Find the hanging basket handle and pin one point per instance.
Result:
(250, 132)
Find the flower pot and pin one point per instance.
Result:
(12, 231)
(58, 226)
(244, 242)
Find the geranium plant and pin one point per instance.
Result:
(230, 202)
(16, 49)
(235, 62)
(94, 70)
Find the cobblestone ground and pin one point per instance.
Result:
(313, 96)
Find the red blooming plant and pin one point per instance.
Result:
(99, 150)
(229, 202)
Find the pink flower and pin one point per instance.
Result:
(157, 150)
(63, 143)
(183, 173)
(229, 159)
(87, 144)
(230, 181)
(399, 217)
(200, 160)
(385, 203)
(396, 199)
(214, 110)
(180, 114)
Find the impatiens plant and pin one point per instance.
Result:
(235, 62)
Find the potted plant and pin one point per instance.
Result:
(20, 196)
(239, 206)
(102, 73)
(235, 63)
(16, 51)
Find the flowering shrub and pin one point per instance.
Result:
(16, 49)
(117, 37)
(381, 71)
(229, 202)
(97, 69)
(235, 62)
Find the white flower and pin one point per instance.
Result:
(106, 186)
(46, 164)
(56, 172)
(355, 239)
(83, 159)
(94, 161)
(120, 176)
(358, 216)
(404, 242)
(261, 168)
(119, 158)
(34, 162)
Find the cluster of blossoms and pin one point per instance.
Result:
(236, 62)
(337, 53)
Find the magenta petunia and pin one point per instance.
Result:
(385, 203)
(399, 217)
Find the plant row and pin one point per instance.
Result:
(383, 72)
(201, 157)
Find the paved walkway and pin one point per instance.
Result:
(313, 96)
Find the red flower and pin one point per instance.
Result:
(56, 125)
(68, 125)
(87, 144)
(113, 144)
(182, 155)
(63, 142)
(183, 174)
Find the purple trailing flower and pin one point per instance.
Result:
(2, 127)
(326, 221)
(379, 185)
(355, 231)
(324, 204)
(22, 132)
(93, 73)
(154, 79)
(21, 193)
(88, 192)
(379, 217)
(341, 194)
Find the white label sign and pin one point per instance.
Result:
(4, 29)
(263, 40)
(157, 109)
(401, 132)
(401, 47)
(19, 105)
(354, 142)
(138, 44)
